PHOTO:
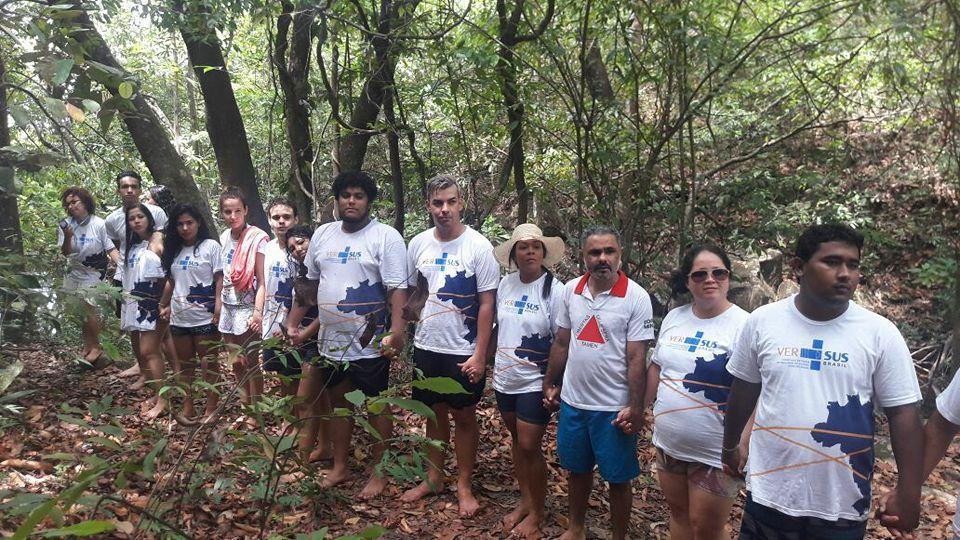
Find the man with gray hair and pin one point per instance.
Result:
(599, 353)
(454, 265)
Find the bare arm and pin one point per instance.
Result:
(630, 418)
(392, 345)
(165, 298)
(740, 406)
(937, 436)
(556, 365)
(217, 300)
(653, 382)
(905, 431)
(66, 247)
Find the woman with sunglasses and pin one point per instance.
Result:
(689, 381)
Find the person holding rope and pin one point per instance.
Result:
(815, 366)
(191, 302)
(528, 300)
(689, 382)
(278, 280)
(599, 352)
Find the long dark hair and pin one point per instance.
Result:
(173, 243)
(548, 281)
(163, 197)
(131, 235)
(678, 277)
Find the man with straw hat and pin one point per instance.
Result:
(527, 302)
(599, 352)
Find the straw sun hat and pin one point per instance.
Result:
(528, 231)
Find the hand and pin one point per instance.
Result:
(392, 345)
(733, 462)
(898, 514)
(295, 336)
(256, 322)
(473, 368)
(165, 313)
(551, 396)
(629, 420)
(215, 320)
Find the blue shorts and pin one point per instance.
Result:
(528, 407)
(587, 438)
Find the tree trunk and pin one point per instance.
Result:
(148, 133)
(11, 236)
(292, 62)
(396, 170)
(223, 120)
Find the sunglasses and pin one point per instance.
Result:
(719, 274)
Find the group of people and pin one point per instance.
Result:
(782, 398)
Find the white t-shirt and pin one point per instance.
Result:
(948, 405)
(526, 324)
(694, 383)
(87, 261)
(227, 292)
(821, 381)
(354, 271)
(456, 272)
(116, 225)
(278, 274)
(596, 374)
(193, 272)
(142, 287)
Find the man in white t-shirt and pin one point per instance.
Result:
(454, 265)
(599, 352)
(129, 188)
(359, 266)
(815, 366)
(278, 276)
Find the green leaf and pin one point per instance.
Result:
(356, 397)
(62, 71)
(9, 373)
(125, 90)
(103, 441)
(59, 456)
(84, 528)
(440, 385)
(152, 456)
(411, 405)
(315, 535)
(373, 531)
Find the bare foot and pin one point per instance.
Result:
(333, 477)
(529, 528)
(469, 506)
(422, 490)
(141, 382)
(157, 410)
(510, 520)
(186, 420)
(574, 534)
(321, 454)
(375, 486)
(92, 355)
(132, 371)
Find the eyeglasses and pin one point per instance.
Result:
(719, 274)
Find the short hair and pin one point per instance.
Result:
(359, 179)
(163, 197)
(81, 193)
(678, 277)
(599, 230)
(233, 193)
(810, 239)
(132, 174)
(282, 201)
(441, 182)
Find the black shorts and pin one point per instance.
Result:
(528, 407)
(764, 523)
(285, 362)
(202, 330)
(434, 364)
(369, 375)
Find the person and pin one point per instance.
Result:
(815, 365)
(688, 379)
(160, 195)
(242, 295)
(359, 265)
(527, 304)
(143, 281)
(130, 188)
(278, 281)
(303, 325)
(191, 302)
(453, 267)
(599, 354)
(83, 239)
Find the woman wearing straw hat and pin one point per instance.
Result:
(527, 303)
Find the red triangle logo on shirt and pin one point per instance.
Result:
(591, 332)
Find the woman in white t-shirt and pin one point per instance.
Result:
(527, 302)
(82, 238)
(143, 280)
(689, 380)
(191, 302)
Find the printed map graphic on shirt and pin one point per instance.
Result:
(366, 299)
(203, 295)
(536, 349)
(284, 294)
(714, 378)
(853, 417)
(462, 292)
(147, 294)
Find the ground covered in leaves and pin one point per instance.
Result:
(224, 497)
